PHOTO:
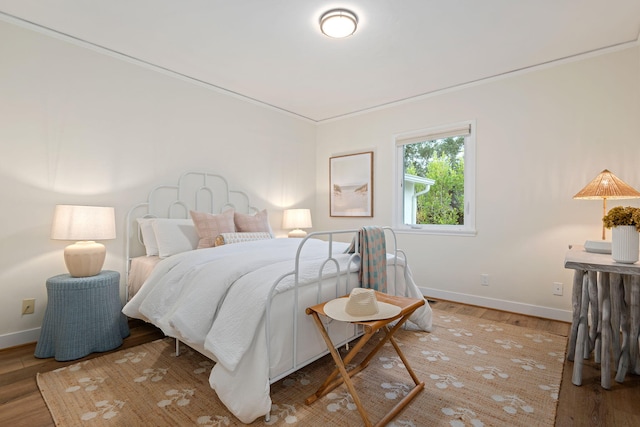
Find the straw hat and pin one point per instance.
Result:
(361, 306)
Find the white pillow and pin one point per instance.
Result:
(148, 236)
(175, 236)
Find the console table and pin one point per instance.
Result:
(612, 291)
(84, 315)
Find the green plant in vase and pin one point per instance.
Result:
(625, 225)
(622, 216)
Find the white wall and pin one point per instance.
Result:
(541, 136)
(81, 127)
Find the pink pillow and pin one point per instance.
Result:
(253, 223)
(209, 226)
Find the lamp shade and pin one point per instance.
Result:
(83, 223)
(607, 186)
(296, 219)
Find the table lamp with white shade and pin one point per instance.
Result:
(295, 220)
(85, 225)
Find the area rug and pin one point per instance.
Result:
(476, 373)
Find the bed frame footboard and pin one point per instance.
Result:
(332, 281)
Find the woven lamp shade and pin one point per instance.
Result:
(607, 186)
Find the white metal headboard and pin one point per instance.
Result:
(198, 191)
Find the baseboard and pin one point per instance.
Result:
(498, 304)
(19, 338)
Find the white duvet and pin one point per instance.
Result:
(215, 299)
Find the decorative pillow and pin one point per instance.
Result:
(174, 236)
(253, 223)
(148, 235)
(228, 238)
(209, 226)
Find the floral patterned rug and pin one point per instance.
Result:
(476, 373)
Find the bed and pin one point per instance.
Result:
(203, 265)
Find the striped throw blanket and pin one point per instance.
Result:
(373, 258)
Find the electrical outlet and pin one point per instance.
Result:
(484, 279)
(28, 305)
(557, 288)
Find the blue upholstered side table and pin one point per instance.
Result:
(84, 315)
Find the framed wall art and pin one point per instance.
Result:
(351, 185)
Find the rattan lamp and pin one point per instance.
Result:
(607, 186)
(85, 224)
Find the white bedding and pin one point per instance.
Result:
(214, 299)
(139, 270)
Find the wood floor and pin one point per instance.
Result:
(589, 405)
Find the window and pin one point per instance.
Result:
(435, 180)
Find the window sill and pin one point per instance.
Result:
(433, 231)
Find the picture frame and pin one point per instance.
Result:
(351, 185)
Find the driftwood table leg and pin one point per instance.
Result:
(605, 368)
(576, 299)
(594, 330)
(582, 341)
(623, 364)
(634, 329)
(615, 288)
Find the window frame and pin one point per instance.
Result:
(427, 134)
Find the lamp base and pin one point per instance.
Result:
(297, 233)
(84, 259)
(598, 246)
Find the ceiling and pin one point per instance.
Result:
(273, 52)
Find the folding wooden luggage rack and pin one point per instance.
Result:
(407, 307)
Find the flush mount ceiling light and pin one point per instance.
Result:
(338, 23)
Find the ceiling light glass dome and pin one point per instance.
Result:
(338, 23)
